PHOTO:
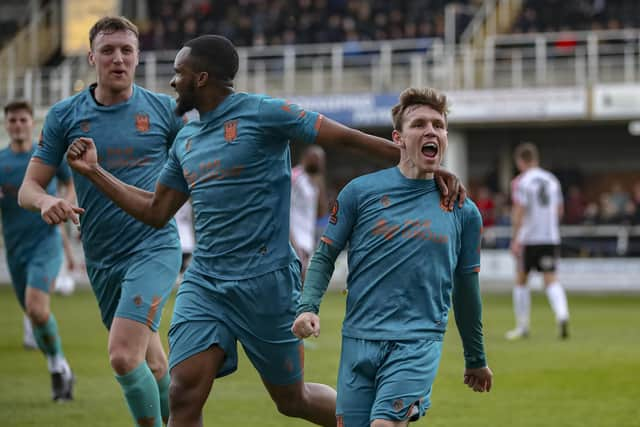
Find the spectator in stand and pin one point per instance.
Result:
(591, 214)
(575, 206)
(486, 206)
(618, 197)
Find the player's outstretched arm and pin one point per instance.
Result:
(154, 209)
(336, 135)
(33, 195)
(333, 134)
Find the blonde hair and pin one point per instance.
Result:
(418, 96)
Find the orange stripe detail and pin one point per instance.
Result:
(316, 126)
(477, 269)
(286, 107)
(326, 240)
(155, 303)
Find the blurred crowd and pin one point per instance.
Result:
(258, 23)
(617, 206)
(562, 15)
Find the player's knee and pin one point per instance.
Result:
(123, 361)
(38, 313)
(182, 399)
(177, 396)
(291, 404)
(290, 408)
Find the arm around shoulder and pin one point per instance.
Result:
(333, 134)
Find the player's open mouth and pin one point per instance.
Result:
(430, 150)
(118, 73)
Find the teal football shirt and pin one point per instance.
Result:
(403, 250)
(133, 139)
(235, 164)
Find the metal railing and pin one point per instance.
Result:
(505, 61)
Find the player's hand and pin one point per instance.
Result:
(55, 210)
(479, 379)
(82, 155)
(306, 324)
(451, 188)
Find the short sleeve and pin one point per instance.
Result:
(51, 145)
(281, 119)
(172, 175)
(342, 218)
(469, 256)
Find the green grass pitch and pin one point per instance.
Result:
(591, 380)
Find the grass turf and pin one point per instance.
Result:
(590, 380)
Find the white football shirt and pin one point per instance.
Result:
(304, 209)
(539, 192)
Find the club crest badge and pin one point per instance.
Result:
(142, 122)
(230, 130)
(85, 126)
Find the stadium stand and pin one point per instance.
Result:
(258, 23)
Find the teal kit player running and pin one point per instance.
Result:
(235, 165)
(34, 255)
(123, 256)
(132, 266)
(408, 254)
(33, 248)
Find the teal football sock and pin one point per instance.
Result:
(47, 337)
(163, 389)
(141, 393)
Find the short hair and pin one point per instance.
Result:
(216, 55)
(418, 96)
(111, 24)
(17, 106)
(527, 152)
